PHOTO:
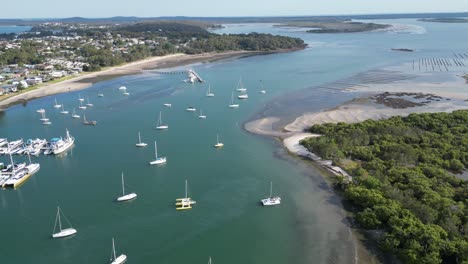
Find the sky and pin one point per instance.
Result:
(213, 8)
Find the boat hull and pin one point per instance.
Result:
(271, 201)
(233, 106)
(158, 161)
(162, 127)
(127, 197)
(219, 145)
(120, 259)
(64, 233)
(141, 145)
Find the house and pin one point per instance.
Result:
(34, 80)
(2, 78)
(57, 74)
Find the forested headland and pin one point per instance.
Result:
(404, 185)
(104, 46)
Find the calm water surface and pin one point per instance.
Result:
(13, 29)
(228, 222)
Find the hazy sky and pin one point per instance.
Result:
(154, 8)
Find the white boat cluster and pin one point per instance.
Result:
(34, 147)
(15, 174)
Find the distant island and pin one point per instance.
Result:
(445, 20)
(336, 26)
(403, 49)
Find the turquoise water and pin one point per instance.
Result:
(13, 29)
(228, 222)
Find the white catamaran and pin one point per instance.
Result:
(271, 200)
(157, 161)
(62, 232)
(125, 197)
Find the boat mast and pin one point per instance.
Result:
(123, 188)
(139, 138)
(113, 248)
(160, 119)
(186, 195)
(271, 188)
(58, 216)
(217, 138)
(155, 150)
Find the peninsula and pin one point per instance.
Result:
(337, 26)
(445, 20)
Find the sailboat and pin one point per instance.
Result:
(44, 118)
(218, 144)
(64, 111)
(122, 88)
(160, 125)
(56, 104)
(100, 94)
(125, 197)
(62, 232)
(232, 104)
(202, 116)
(114, 259)
(186, 202)
(82, 107)
(157, 161)
(209, 260)
(191, 109)
(140, 144)
(262, 91)
(80, 99)
(86, 122)
(271, 200)
(167, 105)
(209, 93)
(89, 104)
(240, 86)
(243, 96)
(74, 115)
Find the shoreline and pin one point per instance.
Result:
(86, 80)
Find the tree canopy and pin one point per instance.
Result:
(403, 181)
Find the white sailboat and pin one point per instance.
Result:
(218, 144)
(125, 197)
(74, 115)
(271, 200)
(82, 107)
(42, 110)
(44, 118)
(240, 86)
(202, 116)
(62, 232)
(191, 109)
(100, 94)
(79, 98)
(167, 105)
(114, 259)
(209, 93)
(157, 161)
(186, 202)
(89, 104)
(64, 111)
(122, 88)
(232, 104)
(160, 124)
(262, 90)
(56, 104)
(140, 144)
(243, 96)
